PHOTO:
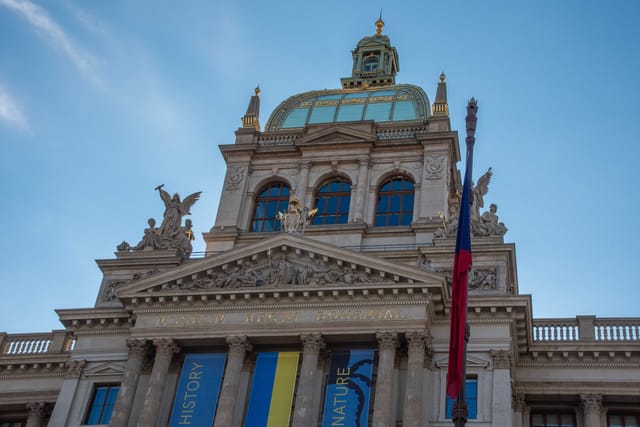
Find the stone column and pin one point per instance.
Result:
(137, 352)
(591, 405)
(67, 393)
(303, 182)
(238, 346)
(313, 343)
(37, 412)
(165, 347)
(502, 415)
(518, 409)
(388, 341)
(413, 400)
(361, 191)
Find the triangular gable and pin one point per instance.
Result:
(105, 369)
(333, 135)
(285, 260)
(470, 362)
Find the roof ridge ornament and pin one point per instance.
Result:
(252, 117)
(379, 25)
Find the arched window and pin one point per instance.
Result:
(371, 63)
(332, 201)
(273, 198)
(395, 202)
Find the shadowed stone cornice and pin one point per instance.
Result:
(114, 320)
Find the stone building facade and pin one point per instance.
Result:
(323, 297)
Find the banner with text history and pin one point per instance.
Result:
(198, 390)
(274, 381)
(348, 391)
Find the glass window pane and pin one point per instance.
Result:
(380, 220)
(396, 184)
(296, 118)
(322, 114)
(384, 93)
(537, 420)
(406, 219)
(356, 95)
(407, 202)
(395, 204)
(404, 110)
(378, 111)
(344, 202)
(393, 220)
(349, 113)
(334, 96)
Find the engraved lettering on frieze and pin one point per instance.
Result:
(191, 320)
(272, 317)
(363, 314)
(434, 167)
(235, 176)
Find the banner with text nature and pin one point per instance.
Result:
(272, 388)
(198, 390)
(348, 391)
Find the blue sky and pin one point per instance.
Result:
(100, 102)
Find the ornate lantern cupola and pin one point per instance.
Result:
(375, 62)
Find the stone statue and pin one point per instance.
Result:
(174, 211)
(479, 191)
(171, 234)
(490, 221)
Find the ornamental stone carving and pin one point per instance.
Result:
(75, 368)
(434, 167)
(591, 401)
(40, 409)
(137, 348)
(483, 279)
(519, 401)
(502, 359)
(238, 345)
(312, 343)
(235, 176)
(387, 340)
(165, 347)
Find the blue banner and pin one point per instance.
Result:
(348, 392)
(198, 390)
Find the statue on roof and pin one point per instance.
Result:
(171, 234)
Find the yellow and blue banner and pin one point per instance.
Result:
(198, 390)
(274, 381)
(348, 391)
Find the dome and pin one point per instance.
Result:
(388, 104)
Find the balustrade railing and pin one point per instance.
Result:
(586, 328)
(35, 344)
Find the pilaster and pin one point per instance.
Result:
(591, 405)
(165, 348)
(137, 350)
(238, 346)
(502, 413)
(388, 342)
(312, 344)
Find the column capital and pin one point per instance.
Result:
(137, 347)
(165, 347)
(75, 368)
(502, 359)
(591, 401)
(238, 345)
(39, 409)
(387, 340)
(312, 342)
(519, 401)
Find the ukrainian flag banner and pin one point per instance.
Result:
(274, 381)
(348, 392)
(198, 390)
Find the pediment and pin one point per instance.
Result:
(470, 362)
(336, 135)
(285, 261)
(105, 369)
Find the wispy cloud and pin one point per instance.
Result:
(41, 21)
(10, 113)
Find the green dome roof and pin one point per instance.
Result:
(387, 104)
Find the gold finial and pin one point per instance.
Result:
(379, 25)
(442, 77)
(258, 90)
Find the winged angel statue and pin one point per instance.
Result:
(479, 191)
(171, 234)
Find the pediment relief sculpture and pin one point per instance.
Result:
(171, 234)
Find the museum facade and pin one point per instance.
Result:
(323, 297)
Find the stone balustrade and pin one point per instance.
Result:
(36, 343)
(586, 328)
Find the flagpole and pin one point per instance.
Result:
(460, 410)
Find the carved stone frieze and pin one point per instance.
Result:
(483, 279)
